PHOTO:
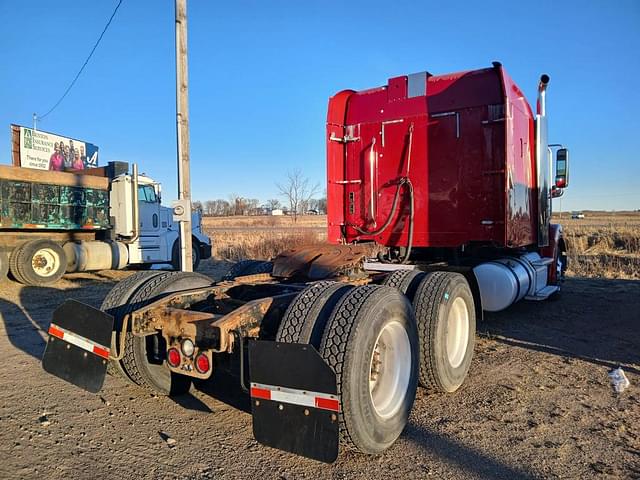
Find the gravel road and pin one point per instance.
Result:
(537, 403)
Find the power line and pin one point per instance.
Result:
(83, 65)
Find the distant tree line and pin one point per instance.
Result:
(298, 194)
(252, 206)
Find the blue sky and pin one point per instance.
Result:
(261, 74)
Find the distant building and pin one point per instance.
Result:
(277, 211)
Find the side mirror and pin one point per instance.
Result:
(158, 188)
(562, 168)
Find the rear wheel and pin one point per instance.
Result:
(445, 314)
(38, 262)
(305, 318)
(370, 342)
(144, 359)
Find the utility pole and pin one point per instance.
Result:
(182, 124)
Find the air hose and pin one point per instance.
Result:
(392, 213)
(394, 205)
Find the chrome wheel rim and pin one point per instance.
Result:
(390, 369)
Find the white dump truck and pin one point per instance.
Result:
(94, 219)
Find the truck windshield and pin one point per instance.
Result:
(146, 193)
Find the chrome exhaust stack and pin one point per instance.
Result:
(543, 164)
(542, 95)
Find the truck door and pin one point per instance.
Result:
(149, 211)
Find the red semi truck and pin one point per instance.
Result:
(439, 206)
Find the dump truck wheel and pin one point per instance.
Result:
(4, 265)
(446, 319)
(144, 357)
(406, 281)
(248, 267)
(195, 254)
(117, 304)
(38, 262)
(371, 344)
(305, 318)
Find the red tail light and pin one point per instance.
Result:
(173, 357)
(202, 363)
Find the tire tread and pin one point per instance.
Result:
(116, 304)
(306, 317)
(335, 342)
(294, 317)
(143, 296)
(406, 281)
(426, 305)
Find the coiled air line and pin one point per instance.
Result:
(394, 205)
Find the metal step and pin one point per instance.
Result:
(544, 293)
(386, 267)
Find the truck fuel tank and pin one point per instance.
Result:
(96, 255)
(505, 281)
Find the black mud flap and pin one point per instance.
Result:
(294, 399)
(78, 346)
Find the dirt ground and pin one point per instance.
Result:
(537, 403)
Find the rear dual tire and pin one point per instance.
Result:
(367, 335)
(117, 304)
(144, 359)
(371, 344)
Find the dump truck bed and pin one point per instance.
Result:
(40, 199)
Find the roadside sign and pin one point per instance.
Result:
(48, 151)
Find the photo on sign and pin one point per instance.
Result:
(46, 151)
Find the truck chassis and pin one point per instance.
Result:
(331, 353)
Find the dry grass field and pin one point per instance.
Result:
(262, 237)
(602, 244)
